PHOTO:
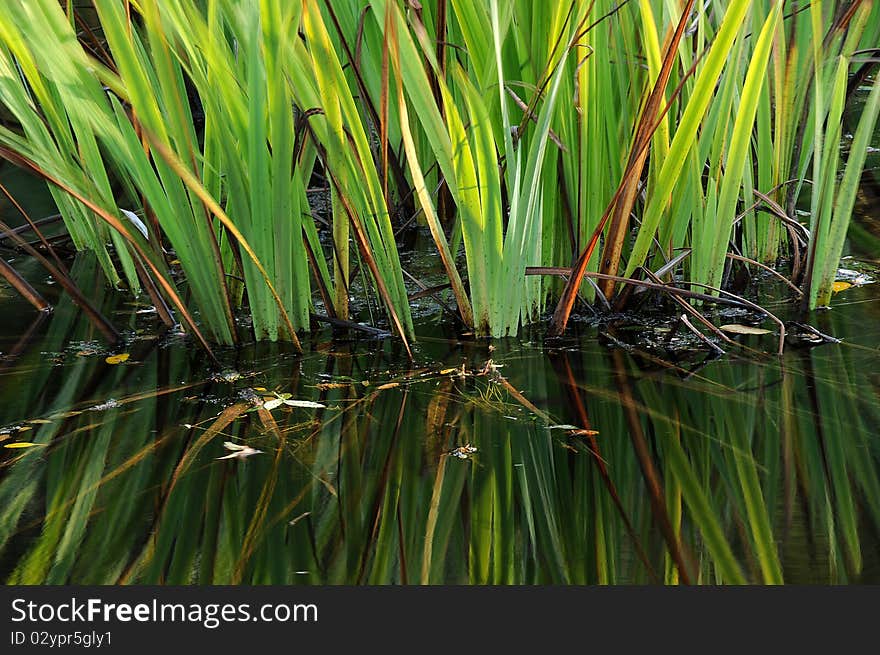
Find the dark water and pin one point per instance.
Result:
(746, 467)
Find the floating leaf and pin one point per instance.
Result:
(387, 385)
(273, 403)
(20, 444)
(117, 359)
(737, 328)
(307, 404)
(239, 451)
(840, 285)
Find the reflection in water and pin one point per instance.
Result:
(471, 467)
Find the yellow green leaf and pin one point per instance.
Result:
(117, 359)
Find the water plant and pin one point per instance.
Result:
(591, 138)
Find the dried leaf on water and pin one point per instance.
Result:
(840, 285)
(306, 404)
(737, 328)
(285, 399)
(117, 359)
(273, 403)
(239, 451)
(463, 452)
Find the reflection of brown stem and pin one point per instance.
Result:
(566, 376)
(649, 472)
(23, 342)
(23, 287)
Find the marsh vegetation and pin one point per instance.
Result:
(450, 291)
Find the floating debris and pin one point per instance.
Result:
(226, 375)
(738, 328)
(855, 278)
(111, 403)
(239, 451)
(285, 399)
(305, 404)
(463, 452)
(326, 386)
(801, 335)
(573, 430)
(298, 518)
(117, 359)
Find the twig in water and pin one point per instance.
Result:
(702, 337)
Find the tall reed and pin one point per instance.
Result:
(611, 136)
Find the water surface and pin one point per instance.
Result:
(474, 464)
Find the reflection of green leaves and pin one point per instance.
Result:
(704, 515)
(370, 494)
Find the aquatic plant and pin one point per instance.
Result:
(584, 138)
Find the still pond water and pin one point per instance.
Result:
(475, 464)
